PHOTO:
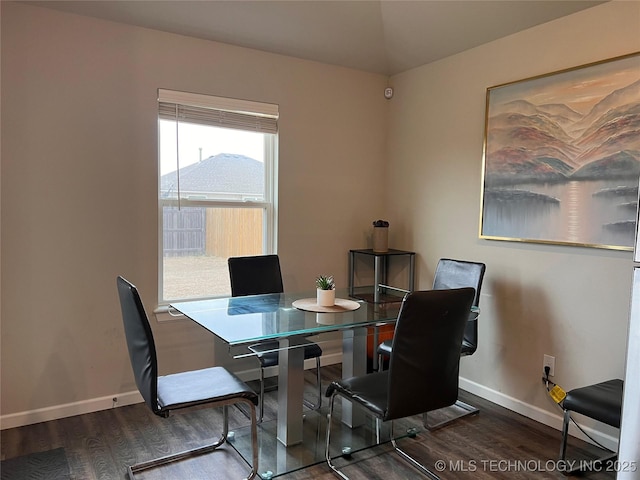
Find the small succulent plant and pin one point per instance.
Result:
(325, 282)
(380, 223)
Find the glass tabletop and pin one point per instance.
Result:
(256, 318)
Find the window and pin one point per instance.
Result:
(217, 181)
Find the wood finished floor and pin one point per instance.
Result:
(486, 446)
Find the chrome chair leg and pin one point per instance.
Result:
(318, 404)
(327, 454)
(468, 410)
(410, 459)
(401, 452)
(565, 433)
(254, 443)
(139, 467)
(563, 447)
(319, 381)
(261, 399)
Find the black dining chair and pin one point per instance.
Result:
(164, 394)
(258, 275)
(423, 369)
(452, 273)
(602, 402)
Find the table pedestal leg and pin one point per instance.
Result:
(290, 392)
(354, 363)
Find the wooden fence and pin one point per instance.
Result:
(220, 232)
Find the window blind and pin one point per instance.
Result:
(217, 111)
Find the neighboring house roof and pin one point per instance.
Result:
(222, 173)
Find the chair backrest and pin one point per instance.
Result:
(425, 357)
(142, 349)
(255, 275)
(457, 274)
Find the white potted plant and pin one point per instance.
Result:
(326, 291)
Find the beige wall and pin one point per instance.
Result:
(79, 186)
(79, 176)
(569, 302)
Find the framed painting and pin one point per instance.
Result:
(561, 157)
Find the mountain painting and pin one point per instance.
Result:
(562, 157)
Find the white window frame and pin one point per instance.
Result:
(242, 109)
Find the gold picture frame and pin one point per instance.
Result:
(561, 157)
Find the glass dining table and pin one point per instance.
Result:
(296, 438)
(243, 321)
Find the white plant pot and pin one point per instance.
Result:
(325, 318)
(326, 298)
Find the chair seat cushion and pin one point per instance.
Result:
(602, 401)
(267, 352)
(371, 391)
(187, 389)
(467, 348)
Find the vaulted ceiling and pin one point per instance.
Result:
(381, 36)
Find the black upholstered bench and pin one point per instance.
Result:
(601, 401)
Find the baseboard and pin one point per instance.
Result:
(538, 414)
(129, 398)
(68, 410)
(121, 399)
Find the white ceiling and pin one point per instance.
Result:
(388, 36)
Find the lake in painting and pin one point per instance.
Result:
(562, 157)
(577, 212)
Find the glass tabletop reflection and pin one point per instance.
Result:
(255, 318)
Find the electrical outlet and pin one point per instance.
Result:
(549, 361)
